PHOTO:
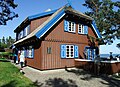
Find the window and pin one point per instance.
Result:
(69, 51)
(69, 26)
(49, 50)
(20, 35)
(90, 53)
(30, 52)
(26, 31)
(82, 29)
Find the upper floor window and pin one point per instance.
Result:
(20, 35)
(69, 26)
(82, 29)
(24, 32)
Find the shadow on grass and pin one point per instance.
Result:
(14, 84)
(4, 60)
(86, 75)
(10, 84)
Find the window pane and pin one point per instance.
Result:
(70, 51)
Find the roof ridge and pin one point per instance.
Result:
(41, 14)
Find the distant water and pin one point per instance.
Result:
(107, 55)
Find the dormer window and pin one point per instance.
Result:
(80, 28)
(20, 35)
(69, 26)
(26, 31)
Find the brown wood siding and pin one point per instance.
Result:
(58, 34)
(53, 60)
(90, 32)
(36, 62)
(105, 68)
(54, 38)
(36, 23)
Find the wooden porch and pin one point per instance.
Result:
(105, 67)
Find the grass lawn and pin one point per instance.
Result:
(11, 77)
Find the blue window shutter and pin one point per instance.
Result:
(88, 52)
(85, 29)
(76, 51)
(93, 54)
(27, 53)
(32, 53)
(63, 51)
(66, 25)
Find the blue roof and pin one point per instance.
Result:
(49, 24)
(51, 21)
(41, 14)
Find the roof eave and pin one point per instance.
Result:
(41, 14)
(96, 29)
(23, 24)
(29, 18)
(70, 10)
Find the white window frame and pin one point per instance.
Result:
(69, 51)
(27, 30)
(20, 35)
(30, 54)
(71, 26)
(80, 28)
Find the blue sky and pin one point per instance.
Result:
(30, 7)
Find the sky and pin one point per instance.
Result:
(31, 7)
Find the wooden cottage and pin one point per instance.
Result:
(54, 39)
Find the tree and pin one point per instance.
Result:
(9, 41)
(3, 40)
(6, 12)
(106, 14)
(6, 42)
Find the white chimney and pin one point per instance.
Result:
(48, 10)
